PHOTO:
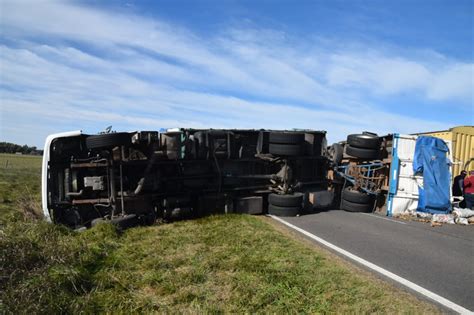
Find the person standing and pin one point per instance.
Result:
(469, 190)
(458, 187)
(458, 184)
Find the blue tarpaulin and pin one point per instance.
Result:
(432, 162)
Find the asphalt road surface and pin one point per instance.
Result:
(440, 259)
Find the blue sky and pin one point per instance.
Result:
(340, 66)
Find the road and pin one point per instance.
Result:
(440, 259)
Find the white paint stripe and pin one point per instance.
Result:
(431, 295)
(379, 217)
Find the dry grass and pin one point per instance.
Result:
(28, 207)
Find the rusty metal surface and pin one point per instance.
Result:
(87, 165)
(89, 201)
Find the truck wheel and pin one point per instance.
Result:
(148, 219)
(283, 211)
(286, 137)
(108, 140)
(356, 207)
(97, 221)
(285, 149)
(335, 152)
(356, 196)
(294, 200)
(125, 222)
(369, 133)
(364, 141)
(366, 154)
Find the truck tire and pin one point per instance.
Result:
(286, 137)
(148, 219)
(294, 200)
(285, 149)
(366, 154)
(364, 141)
(336, 152)
(108, 140)
(123, 222)
(369, 133)
(356, 196)
(356, 207)
(126, 221)
(283, 211)
(97, 221)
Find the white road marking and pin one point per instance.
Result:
(379, 217)
(431, 295)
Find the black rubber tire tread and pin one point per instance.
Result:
(294, 200)
(364, 141)
(356, 207)
(337, 151)
(366, 154)
(108, 140)
(148, 219)
(286, 137)
(125, 222)
(283, 211)
(285, 149)
(369, 133)
(356, 196)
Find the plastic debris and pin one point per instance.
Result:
(443, 218)
(462, 221)
(461, 216)
(463, 212)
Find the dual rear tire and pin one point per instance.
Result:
(289, 205)
(356, 201)
(286, 143)
(365, 146)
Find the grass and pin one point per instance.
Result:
(228, 263)
(20, 181)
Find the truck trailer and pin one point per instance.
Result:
(130, 178)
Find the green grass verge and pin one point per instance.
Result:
(228, 263)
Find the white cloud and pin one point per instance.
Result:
(86, 67)
(383, 75)
(456, 81)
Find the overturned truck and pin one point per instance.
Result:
(392, 175)
(133, 178)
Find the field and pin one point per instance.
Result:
(228, 263)
(20, 180)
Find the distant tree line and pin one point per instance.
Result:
(7, 147)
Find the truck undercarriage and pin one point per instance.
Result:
(137, 177)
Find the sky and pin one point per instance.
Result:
(340, 66)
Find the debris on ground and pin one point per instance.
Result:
(463, 212)
(433, 224)
(461, 216)
(423, 216)
(443, 218)
(462, 221)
